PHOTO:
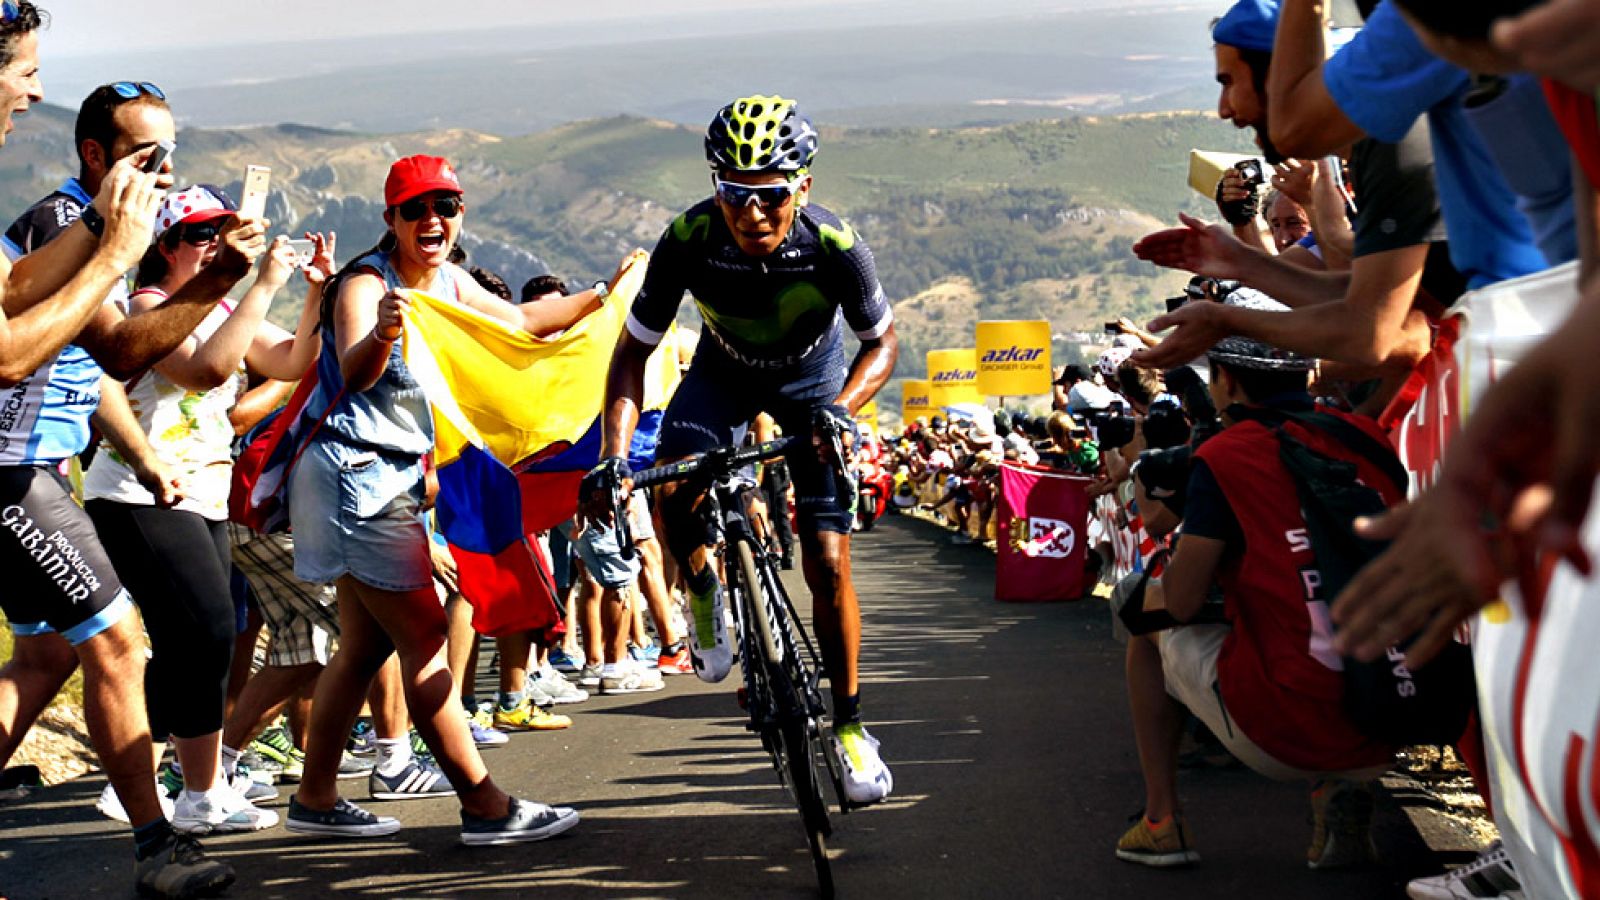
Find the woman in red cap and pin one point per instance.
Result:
(172, 551)
(356, 499)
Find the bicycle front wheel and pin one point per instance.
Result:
(799, 745)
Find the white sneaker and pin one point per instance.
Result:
(712, 653)
(1489, 877)
(866, 778)
(547, 682)
(110, 805)
(632, 679)
(221, 810)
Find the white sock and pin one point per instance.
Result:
(230, 762)
(610, 670)
(394, 754)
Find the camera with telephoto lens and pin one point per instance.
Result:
(1113, 427)
(1165, 475)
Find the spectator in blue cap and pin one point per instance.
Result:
(1243, 49)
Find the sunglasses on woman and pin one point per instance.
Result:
(417, 207)
(9, 12)
(130, 90)
(199, 234)
(767, 196)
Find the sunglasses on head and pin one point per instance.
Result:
(767, 196)
(198, 233)
(9, 12)
(130, 90)
(444, 207)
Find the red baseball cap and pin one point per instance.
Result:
(417, 175)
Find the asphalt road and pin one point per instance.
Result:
(1006, 727)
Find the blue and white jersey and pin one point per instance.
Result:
(45, 419)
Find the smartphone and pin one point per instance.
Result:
(159, 155)
(253, 199)
(303, 251)
(1113, 328)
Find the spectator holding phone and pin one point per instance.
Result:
(176, 559)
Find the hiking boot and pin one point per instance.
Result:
(679, 663)
(345, 820)
(221, 810)
(181, 870)
(708, 634)
(529, 717)
(632, 679)
(1341, 826)
(1489, 877)
(527, 821)
(1163, 845)
(866, 778)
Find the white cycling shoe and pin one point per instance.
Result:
(866, 778)
(709, 647)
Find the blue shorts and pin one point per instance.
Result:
(358, 512)
(717, 400)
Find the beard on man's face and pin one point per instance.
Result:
(1268, 150)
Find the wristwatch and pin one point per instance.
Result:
(601, 290)
(92, 220)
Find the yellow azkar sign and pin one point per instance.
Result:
(913, 399)
(1013, 358)
(953, 377)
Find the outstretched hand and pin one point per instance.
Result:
(1516, 484)
(1196, 327)
(1197, 247)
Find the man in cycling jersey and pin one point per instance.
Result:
(772, 276)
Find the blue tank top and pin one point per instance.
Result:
(392, 415)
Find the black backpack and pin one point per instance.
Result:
(1386, 700)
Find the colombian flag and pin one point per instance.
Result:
(516, 424)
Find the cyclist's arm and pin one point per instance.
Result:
(868, 313)
(624, 392)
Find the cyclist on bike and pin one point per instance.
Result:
(772, 276)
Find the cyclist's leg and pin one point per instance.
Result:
(707, 411)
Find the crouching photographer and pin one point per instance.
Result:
(1258, 667)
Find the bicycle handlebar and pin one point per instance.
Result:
(717, 462)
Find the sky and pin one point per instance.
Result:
(89, 27)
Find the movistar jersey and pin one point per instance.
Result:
(773, 312)
(45, 418)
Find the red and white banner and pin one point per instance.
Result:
(1534, 651)
(1042, 535)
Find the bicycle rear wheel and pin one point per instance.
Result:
(799, 745)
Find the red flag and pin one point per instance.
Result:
(1043, 529)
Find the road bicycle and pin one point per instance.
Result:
(781, 666)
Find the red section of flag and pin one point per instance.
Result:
(548, 498)
(510, 591)
(1043, 530)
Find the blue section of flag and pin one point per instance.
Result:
(480, 503)
(585, 454)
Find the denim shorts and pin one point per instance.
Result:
(602, 556)
(358, 511)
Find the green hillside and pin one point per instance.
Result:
(1034, 219)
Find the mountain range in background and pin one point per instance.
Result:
(960, 150)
